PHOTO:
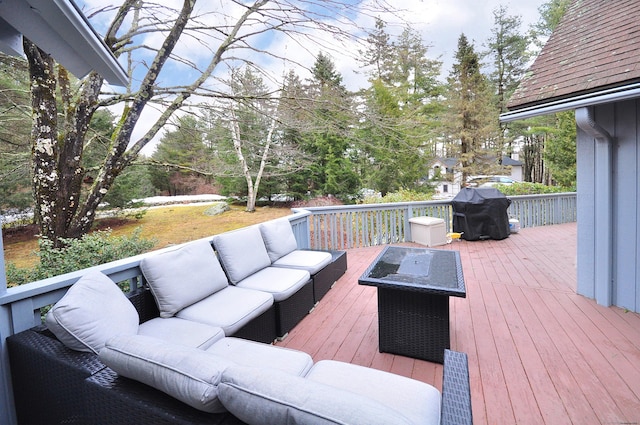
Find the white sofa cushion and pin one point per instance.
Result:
(188, 374)
(250, 353)
(278, 238)
(180, 331)
(93, 310)
(229, 309)
(241, 252)
(419, 401)
(279, 282)
(311, 261)
(269, 396)
(183, 276)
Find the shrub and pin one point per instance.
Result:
(92, 249)
(526, 188)
(402, 195)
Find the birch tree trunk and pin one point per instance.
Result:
(252, 186)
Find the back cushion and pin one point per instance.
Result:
(278, 238)
(183, 276)
(187, 373)
(93, 310)
(242, 252)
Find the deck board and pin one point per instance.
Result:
(538, 352)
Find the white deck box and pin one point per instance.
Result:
(429, 231)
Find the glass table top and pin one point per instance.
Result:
(420, 269)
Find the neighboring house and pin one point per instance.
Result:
(446, 176)
(591, 65)
(514, 166)
(60, 29)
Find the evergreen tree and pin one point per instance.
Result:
(549, 153)
(295, 114)
(561, 150)
(377, 58)
(15, 127)
(551, 14)
(508, 51)
(401, 110)
(327, 139)
(180, 157)
(472, 120)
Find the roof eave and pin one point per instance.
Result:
(551, 106)
(60, 29)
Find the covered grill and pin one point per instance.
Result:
(481, 213)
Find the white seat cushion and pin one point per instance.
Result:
(183, 276)
(278, 238)
(180, 331)
(279, 282)
(229, 309)
(241, 252)
(250, 353)
(311, 261)
(260, 396)
(92, 311)
(420, 402)
(189, 374)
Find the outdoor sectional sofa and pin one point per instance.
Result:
(163, 354)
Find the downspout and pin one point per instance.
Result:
(603, 208)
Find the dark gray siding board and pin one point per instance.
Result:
(626, 196)
(608, 268)
(586, 239)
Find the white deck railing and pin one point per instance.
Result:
(336, 227)
(355, 226)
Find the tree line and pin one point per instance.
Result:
(65, 151)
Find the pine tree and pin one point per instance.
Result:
(472, 119)
(327, 138)
(400, 109)
(509, 55)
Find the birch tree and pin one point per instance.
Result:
(252, 184)
(152, 40)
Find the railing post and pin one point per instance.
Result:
(3, 275)
(7, 411)
(407, 225)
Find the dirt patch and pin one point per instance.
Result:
(30, 231)
(20, 233)
(110, 223)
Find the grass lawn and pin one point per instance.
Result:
(173, 224)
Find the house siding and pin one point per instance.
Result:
(608, 267)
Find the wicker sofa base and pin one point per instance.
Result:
(117, 400)
(291, 311)
(325, 278)
(55, 385)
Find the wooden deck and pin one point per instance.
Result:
(538, 353)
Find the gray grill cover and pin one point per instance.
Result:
(481, 213)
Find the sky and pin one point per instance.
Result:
(439, 22)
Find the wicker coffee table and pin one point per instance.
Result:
(414, 286)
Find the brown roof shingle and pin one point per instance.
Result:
(596, 46)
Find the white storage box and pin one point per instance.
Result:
(429, 231)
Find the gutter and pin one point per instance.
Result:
(617, 94)
(59, 28)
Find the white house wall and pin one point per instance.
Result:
(609, 218)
